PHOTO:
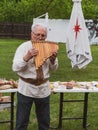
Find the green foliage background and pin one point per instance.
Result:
(26, 10)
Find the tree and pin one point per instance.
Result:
(26, 10)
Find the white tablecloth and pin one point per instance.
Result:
(62, 88)
(8, 90)
(75, 90)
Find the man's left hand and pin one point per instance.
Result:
(53, 57)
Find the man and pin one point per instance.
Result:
(30, 90)
(91, 30)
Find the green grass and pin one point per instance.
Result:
(64, 73)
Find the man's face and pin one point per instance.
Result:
(38, 34)
(90, 24)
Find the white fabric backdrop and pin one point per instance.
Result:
(57, 29)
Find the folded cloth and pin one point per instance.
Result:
(77, 42)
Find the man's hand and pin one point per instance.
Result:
(53, 57)
(30, 54)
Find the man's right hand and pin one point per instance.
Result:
(30, 54)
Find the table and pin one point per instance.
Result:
(62, 91)
(11, 120)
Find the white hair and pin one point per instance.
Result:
(38, 24)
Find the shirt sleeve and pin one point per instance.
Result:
(18, 63)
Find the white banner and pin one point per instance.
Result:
(77, 42)
(57, 29)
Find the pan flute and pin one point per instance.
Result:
(45, 50)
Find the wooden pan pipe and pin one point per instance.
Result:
(45, 50)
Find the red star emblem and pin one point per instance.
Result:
(77, 28)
